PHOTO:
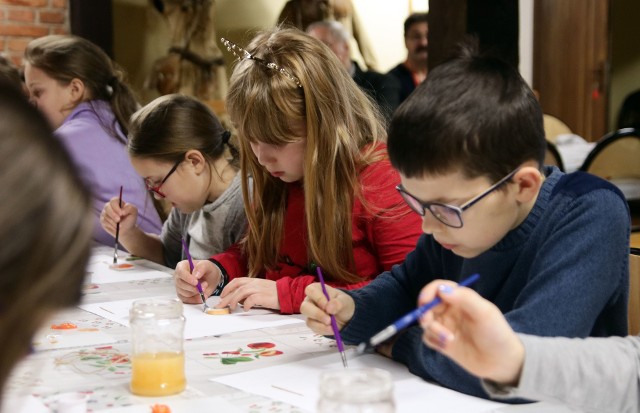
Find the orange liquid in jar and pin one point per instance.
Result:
(157, 374)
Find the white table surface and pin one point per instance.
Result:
(102, 370)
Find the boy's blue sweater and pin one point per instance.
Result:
(562, 272)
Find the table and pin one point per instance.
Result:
(92, 360)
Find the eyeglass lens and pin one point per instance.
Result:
(442, 213)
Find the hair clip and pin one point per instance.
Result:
(243, 55)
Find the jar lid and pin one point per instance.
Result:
(357, 385)
(156, 308)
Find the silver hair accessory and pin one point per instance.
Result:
(242, 54)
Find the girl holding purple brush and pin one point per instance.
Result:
(182, 151)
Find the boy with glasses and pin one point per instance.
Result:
(551, 248)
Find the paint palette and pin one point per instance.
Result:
(123, 266)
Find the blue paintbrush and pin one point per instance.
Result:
(408, 319)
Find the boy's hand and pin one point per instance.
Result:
(112, 214)
(318, 309)
(205, 271)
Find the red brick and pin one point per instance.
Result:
(23, 15)
(2, 45)
(60, 30)
(20, 30)
(16, 58)
(18, 44)
(2, 14)
(31, 3)
(52, 16)
(59, 4)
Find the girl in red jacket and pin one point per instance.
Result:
(317, 185)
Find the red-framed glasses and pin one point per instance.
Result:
(156, 188)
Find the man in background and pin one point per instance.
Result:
(384, 89)
(413, 70)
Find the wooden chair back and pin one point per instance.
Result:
(554, 127)
(616, 155)
(552, 156)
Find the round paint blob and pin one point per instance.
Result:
(122, 266)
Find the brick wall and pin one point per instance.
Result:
(24, 20)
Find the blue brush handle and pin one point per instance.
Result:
(412, 317)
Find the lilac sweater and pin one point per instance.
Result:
(104, 164)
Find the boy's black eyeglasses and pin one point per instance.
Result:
(243, 54)
(156, 188)
(450, 215)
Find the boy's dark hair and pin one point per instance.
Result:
(413, 19)
(474, 114)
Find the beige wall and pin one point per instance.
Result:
(141, 35)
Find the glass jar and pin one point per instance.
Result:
(368, 390)
(157, 359)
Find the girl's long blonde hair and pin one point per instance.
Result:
(343, 128)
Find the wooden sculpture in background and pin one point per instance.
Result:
(301, 13)
(193, 65)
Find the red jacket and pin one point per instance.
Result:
(379, 241)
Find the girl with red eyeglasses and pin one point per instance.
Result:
(180, 148)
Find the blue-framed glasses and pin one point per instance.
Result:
(449, 215)
(156, 188)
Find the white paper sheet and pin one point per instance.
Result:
(99, 272)
(200, 324)
(410, 392)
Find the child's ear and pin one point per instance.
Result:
(529, 180)
(196, 160)
(76, 91)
